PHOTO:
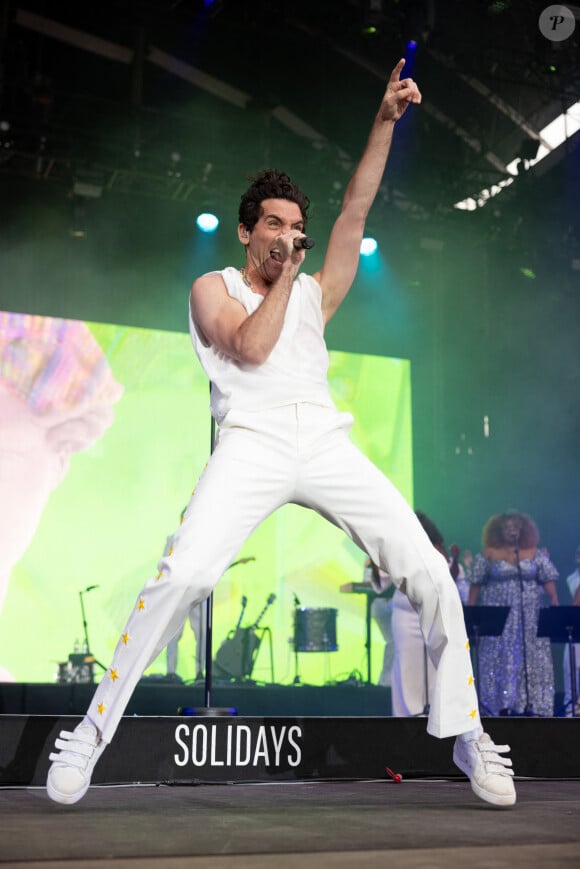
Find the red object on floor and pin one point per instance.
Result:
(396, 776)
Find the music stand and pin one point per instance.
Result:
(562, 625)
(483, 621)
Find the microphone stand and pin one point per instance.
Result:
(528, 711)
(427, 706)
(88, 653)
(209, 610)
(297, 679)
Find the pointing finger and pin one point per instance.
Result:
(397, 70)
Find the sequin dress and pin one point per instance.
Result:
(501, 659)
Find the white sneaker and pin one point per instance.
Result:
(69, 776)
(490, 774)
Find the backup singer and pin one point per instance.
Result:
(516, 668)
(258, 332)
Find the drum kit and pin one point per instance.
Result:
(314, 631)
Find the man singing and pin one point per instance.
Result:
(259, 334)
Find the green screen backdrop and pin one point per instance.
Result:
(106, 523)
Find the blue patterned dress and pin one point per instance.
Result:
(501, 665)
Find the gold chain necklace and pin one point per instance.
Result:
(245, 278)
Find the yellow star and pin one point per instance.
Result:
(141, 604)
(473, 713)
(101, 708)
(467, 646)
(470, 680)
(125, 638)
(114, 675)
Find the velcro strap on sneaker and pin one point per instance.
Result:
(77, 736)
(493, 760)
(70, 759)
(72, 743)
(498, 767)
(501, 749)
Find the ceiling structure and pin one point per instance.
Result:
(149, 109)
(180, 99)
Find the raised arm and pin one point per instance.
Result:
(342, 255)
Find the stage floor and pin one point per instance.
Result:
(359, 824)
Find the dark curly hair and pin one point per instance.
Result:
(492, 534)
(432, 531)
(269, 184)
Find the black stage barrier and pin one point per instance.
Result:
(201, 750)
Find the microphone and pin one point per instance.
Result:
(91, 587)
(305, 242)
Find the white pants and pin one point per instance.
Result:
(262, 460)
(381, 613)
(413, 678)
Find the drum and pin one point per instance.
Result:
(315, 630)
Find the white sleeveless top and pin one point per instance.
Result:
(296, 369)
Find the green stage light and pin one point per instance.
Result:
(368, 246)
(207, 222)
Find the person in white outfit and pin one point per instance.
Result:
(197, 618)
(381, 612)
(259, 334)
(413, 674)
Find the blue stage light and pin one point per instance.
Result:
(207, 222)
(412, 44)
(368, 246)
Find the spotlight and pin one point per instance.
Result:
(368, 246)
(372, 18)
(412, 44)
(207, 222)
(498, 7)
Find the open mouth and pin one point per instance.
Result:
(275, 255)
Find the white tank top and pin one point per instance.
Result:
(296, 369)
